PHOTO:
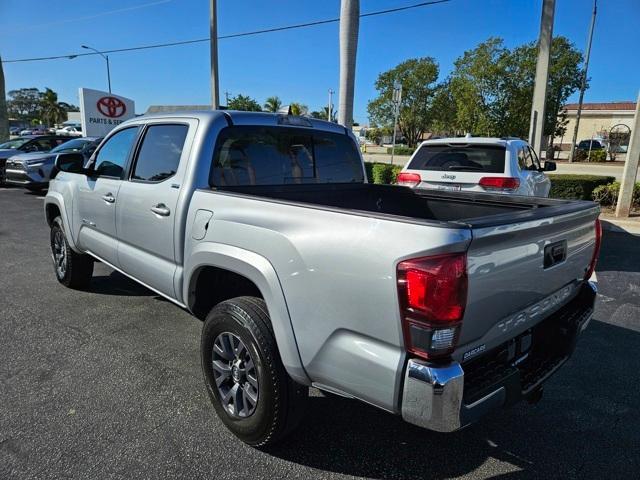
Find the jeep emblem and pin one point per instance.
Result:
(446, 176)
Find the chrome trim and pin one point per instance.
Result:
(432, 395)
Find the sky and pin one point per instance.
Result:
(296, 65)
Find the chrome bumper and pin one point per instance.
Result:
(433, 393)
(432, 396)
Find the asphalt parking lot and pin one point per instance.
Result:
(107, 384)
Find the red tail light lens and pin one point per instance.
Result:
(499, 183)
(408, 179)
(596, 250)
(433, 296)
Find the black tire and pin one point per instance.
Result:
(280, 401)
(78, 268)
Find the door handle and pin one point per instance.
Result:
(109, 198)
(161, 209)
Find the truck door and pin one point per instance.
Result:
(98, 196)
(146, 215)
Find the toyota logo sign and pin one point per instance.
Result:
(111, 107)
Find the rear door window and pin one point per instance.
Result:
(252, 155)
(462, 158)
(159, 155)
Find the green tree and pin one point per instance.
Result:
(444, 111)
(24, 103)
(298, 109)
(492, 87)
(418, 77)
(244, 102)
(272, 104)
(324, 114)
(51, 111)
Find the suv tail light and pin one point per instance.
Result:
(408, 179)
(596, 250)
(499, 183)
(433, 296)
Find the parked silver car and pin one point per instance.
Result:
(33, 170)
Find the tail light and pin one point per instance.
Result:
(408, 179)
(499, 183)
(596, 251)
(433, 296)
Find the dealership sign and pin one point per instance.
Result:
(102, 111)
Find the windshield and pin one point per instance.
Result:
(70, 146)
(17, 143)
(460, 157)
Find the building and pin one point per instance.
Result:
(597, 120)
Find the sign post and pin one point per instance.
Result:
(396, 98)
(101, 111)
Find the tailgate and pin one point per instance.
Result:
(511, 284)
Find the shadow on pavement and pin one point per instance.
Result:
(620, 252)
(584, 427)
(118, 284)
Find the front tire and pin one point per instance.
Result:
(73, 270)
(246, 381)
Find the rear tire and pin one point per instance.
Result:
(249, 387)
(73, 270)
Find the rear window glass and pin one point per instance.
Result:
(252, 155)
(462, 158)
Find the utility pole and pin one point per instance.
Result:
(630, 167)
(584, 80)
(330, 108)
(4, 115)
(396, 98)
(536, 125)
(213, 38)
(349, 25)
(226, 97)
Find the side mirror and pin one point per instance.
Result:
(549, 166)
(69, 162)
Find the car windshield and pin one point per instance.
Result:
(71, 146)
(17, 143)
(459, 157)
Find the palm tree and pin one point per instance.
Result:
(298, 109)
(51, 110)
(272, 104)
(4, 117)
(349, 25)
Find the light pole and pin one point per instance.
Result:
(213, 52)
(330, 106)
(106, 57)
(583, 82)
(396, 98)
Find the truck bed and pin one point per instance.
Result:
(469, 209)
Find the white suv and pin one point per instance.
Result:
(496, 165)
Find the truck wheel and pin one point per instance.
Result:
(247, 383)
(73, 270)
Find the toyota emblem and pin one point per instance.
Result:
(111, 107)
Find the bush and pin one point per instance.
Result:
(576, 187)
(596, 156)
(382, 173)
(607, 195)
(401, 150)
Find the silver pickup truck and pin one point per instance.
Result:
(437, 306)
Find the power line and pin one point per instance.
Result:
(223, 37)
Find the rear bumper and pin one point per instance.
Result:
(447, 397)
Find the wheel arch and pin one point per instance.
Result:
(243, 273)
(54, 206)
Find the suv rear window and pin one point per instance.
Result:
(253, 155)
(461, 158)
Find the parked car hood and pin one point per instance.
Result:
(7, 152)
(21, 157)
